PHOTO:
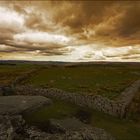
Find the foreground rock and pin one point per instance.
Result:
(10, 105)
(69, 124)
(15, 128)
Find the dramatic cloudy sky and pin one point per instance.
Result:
(70, 31)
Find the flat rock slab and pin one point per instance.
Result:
(12, 105)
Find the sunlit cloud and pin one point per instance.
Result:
(41, 37)
(120, 51)
(11, 20)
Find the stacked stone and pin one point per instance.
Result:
(116, 107)
(96, 102)
(23, 77)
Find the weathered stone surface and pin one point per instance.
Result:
(9, 126)
(69, 124)
(18, 104)
(15, 128)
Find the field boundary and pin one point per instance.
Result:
(116, 107)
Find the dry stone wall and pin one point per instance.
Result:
(8, 89)
(116, 107)
(128, 94)
(23, 77)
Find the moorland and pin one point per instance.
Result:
(107, 79)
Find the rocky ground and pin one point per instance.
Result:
(14, 127)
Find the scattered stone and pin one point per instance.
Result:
(15, 128)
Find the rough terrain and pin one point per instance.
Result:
(15, 128)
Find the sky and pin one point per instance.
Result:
(70, 30)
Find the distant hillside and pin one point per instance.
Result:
(69, 64)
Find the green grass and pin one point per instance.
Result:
(58, 110)
(107, 81)
(120, 129)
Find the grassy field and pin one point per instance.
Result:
(107, 81)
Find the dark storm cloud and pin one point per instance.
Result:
(84, 14)
(118, 19)
(130, 23)
(124, 27)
